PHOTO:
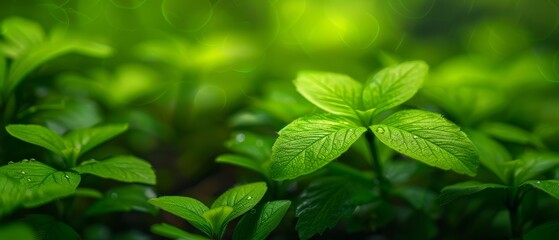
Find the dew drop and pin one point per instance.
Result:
(10, 162)
(240, 137)
(23, 172)
(415, 137)
(32, 159)
(249, 197)
(29, 179)
(538, 182)
(380, 130)
(252, 211)
(67, 177)
(25, 160)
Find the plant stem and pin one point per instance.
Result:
(513, 204)
(384, 184)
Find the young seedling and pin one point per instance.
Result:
(30, 183)
(517, 177)
(352, 110)
(213, 221)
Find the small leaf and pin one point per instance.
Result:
(218, 217)
(548, 230)
(49, 228)
(41, 182)
(492, 154)
(187, 208)
(258, 224)
(394, 85)
(171, 231)
(88, 138)
(241, 198)
(550, 187)
(453, 192)
(323, 204)
(334, 93)
(38, 135)
(124, 199)
(311, 142)
(88, 192)
(429, 138)
(120, 168)
(241, 161)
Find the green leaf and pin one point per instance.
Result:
(88, 192)
(508, 132)
(17, 231)
(241, 198)
(88, 138)
(394, 85)
(242, 161)
(550, 187)
(120, 168)
(187, 208)
(533, 164)
(218, 217)
(323, 204)
(309, 143)
(334, 93)
(548, 230)
(492, 154)
(49, 228)
(38, 135)
(429, 138)
(11, 194)
(41, 182)
(258, 224)
(453, 192)
(251, 145)
(124, 199)
(171, 231)
(22, 34)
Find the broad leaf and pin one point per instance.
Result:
(548, 230)
(429, 138)
(120, 168)
(124, 199)
(453, 192)
(309, 143)
(187, 208)
(394, 85)
(49, 228)
(550, 187)
(492, 154)
(171, 231)
(218, 218)
(533, 164)
(241, 198)
(258, 224)
(41, 182)
(38, 135)
(11, 194)
(334, 93)
(88, 138)
(323, 204)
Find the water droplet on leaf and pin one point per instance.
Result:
(10, 162)
(67, 177)
(538, 182)
(415, 137)
(22, 172)
(380, 130)
(29, 179)
(252, 211)
(240, 137)
(25, 160)
(249, 197)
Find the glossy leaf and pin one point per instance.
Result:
(11, 194)
(187, 208)
(120, 168)
(311, 142)
(49, 228)
(453, 192)
(429, 138)
(171, 231)
(218, 218)
(323, 204)
(88, 138)
(41, 182)
(241, 198)
(124, 199)
(334, 93)
(38, 135)
(550, 187)
(394, 85)
(258, 224)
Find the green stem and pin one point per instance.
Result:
(384, 184)
(513, 203)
